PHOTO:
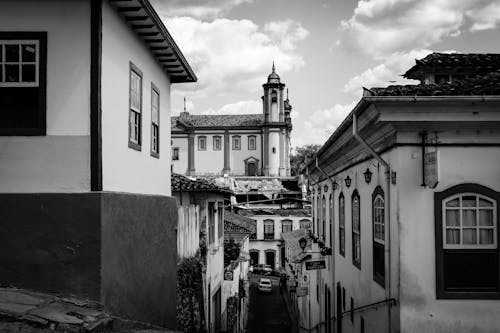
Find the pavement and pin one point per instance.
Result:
(267, 312)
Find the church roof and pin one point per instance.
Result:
(226, 120)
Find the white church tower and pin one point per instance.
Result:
(277, 127)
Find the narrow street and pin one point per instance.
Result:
(267, 312)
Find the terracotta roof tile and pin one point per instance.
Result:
(225, 120)
(185, 184)
(480, 85)
(236, 221)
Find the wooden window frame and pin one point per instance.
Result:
(378, 194)
(254, 137)
(342, 224)
(355, 261)
(202, 138)
(41, 81)
(238, 137)
(174, 155)
(131, 143)
(442, 292)
(305, 224)
(269, 222)
(155, 149)
(288, 222)
(214, 139)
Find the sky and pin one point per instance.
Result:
(325, 51)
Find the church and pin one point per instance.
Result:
(235, 144)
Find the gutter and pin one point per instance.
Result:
(387, 249)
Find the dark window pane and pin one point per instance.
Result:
(12, 53)
(469, 201)
(29, 73)
(1, 52)
(11, 73)
(29, 52)
(1, 72)
(20, 107)
(474, 270)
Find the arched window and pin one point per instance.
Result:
(286, 225)
(466, 234)
(236, 142)
(217, 144)
(323, 218)
(317, 222)
(378, 218)
(252, 142)
(331, 220)
(341, 224)
(356, 229)
(268, 229)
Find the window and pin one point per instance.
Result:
(268, 229)
(286, 226)
(211, 222)
(220, 220)
(155, 121)
(466, 229)
(274, 150)
(23, 83)
(236, 142)
(341, 224)
(323, 218)
(343, 299)
(252, 145)
(305, 224)
(202, 143)
(217, 143)
(175, 154)
(356, 230)
(378, 217)
(331, 220)
(135, 110)
(318, 214)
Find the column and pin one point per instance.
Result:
(265, 154)
(282, 153)
(191, 170)
(227, 154)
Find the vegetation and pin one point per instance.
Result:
(300, 156)
(231, 251)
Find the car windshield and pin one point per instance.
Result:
(265, 282)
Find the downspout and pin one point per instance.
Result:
(388, 212)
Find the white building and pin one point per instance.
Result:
(239, 145)
(85, 149)
(408, 187)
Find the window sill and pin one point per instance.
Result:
(134, 146)
(442, 294)
(155, 154)
(357, 265)
(380, 280)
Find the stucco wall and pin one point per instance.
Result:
(239, 156)
(180, 166)
(274, 158)
(420, 310)
(208, 161)
(139, 171)
(59, 161)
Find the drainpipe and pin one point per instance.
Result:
(388, 212)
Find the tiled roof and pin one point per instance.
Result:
(277, 212)
(292, 238)
(226, 120)
(185, 184)
(480, 85)
(238, 222)
(479, 62)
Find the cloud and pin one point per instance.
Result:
(484, 18)
(232, 57)
(382, 27)
(241, 107)
(203, 9)
(318, 126)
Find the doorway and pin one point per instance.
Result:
(252, 169)
(254, 257)
(270, 258)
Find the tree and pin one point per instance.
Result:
(300, 156)
(231, 251)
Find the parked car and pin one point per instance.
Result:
(265, 285)
(262, 269)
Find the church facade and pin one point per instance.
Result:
(236, 145)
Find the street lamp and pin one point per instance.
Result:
(348, 181)
(368, 176)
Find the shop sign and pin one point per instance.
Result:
(431, 169)
(302, 291)
(315, 264)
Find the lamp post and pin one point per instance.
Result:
(368, 176)
(348, 181)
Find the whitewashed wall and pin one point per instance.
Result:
(180, 166)
(138, 171)
(59, 161)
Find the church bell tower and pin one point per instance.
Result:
(276, 128)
